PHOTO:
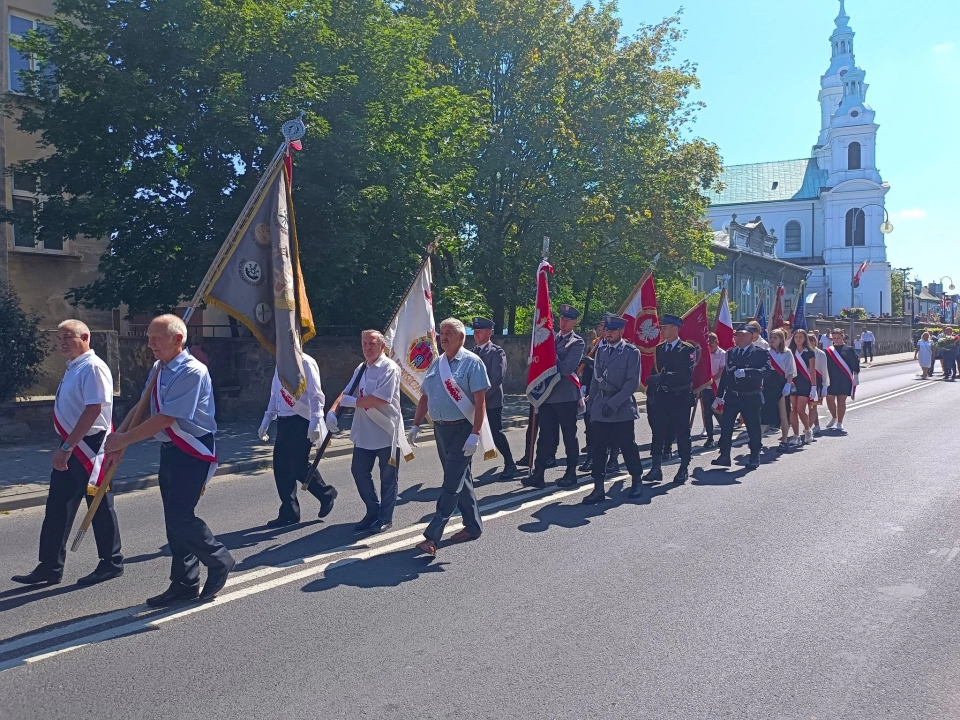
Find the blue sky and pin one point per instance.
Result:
(760, 64)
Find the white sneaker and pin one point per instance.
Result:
(833, 421)
(840, 427)
(808, 436)
(794, 441)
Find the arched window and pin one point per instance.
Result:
(855, 235)
(853, 156)
(792, 237)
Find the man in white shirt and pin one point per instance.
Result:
(376, 431)
(299, 427)
(867, 339)
(825, 341)
(83, 415)
(718, 361)
(757, 335)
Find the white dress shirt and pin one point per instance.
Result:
(718, 360)
(309, 405)
(87, 381)
(381, 380)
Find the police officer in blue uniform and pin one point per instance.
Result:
(670, 405)
(558, 413)
(495, 361)
(747, 365)
(613, 408)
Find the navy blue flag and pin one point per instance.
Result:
(800, 314)
(761, 317)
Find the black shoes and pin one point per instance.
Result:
(569, 478)
(508, 472)
(682, 475)
(655, 474)
(174, 594)
(279, 522)
(551, 463)
(597, 496)
(379, 527)
(613, 467)
(753, 463)
(101, 574)
(722, 461)
(326, 503)
(709, 444)
(38, 577)
(367, 523)
(587, 466)
(534, 481)
(216, 579)
(636, 490)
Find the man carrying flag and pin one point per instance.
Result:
(723, 325)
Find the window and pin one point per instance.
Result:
(696, 282)
(26, 198)
(746, 299)
(855, 235)
(17, 61)
(853, 155)
(791, 242)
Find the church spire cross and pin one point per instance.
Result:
(842, 19)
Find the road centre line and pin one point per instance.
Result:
(380, 545)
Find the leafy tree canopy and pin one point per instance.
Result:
(22, 347)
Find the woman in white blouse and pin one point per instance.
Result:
(782, 360)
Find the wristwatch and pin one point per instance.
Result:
(66, 447)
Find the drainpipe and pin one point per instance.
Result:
(733, 280)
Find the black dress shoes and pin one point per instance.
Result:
(597, 496)
(753, 463)
(38, 577)
(279, 522)
(587, 466)
(636, 490)
(569, 478)
(216, 579)
(682, 475)
(379, 527)
(709, 444)
(174, 594)
(101, 574)
(534, 481)
(367, 523)
(655, 474)
(722, 461)
(508, 472)
(326, 504)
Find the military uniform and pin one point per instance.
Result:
(613, 410)
(495, 361)
(743, 379)
(672, 401)
(558, 413)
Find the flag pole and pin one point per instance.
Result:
(532, 420)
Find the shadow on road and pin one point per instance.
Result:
(390, 570)
(19, 596)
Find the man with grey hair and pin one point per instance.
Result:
(82, 415)
(448, 386)
(182, 419)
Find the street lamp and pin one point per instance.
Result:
(886, 227)
(943, 297)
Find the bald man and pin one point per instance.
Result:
(182, 419)
(82, 415)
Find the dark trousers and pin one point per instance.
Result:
(772, 392)
(749, 406)
(706, 404)
(670, 417)
(611, 436)
(182, 478)
(867, 351)
(554, 418)
(495, 418)
(362, 469)
(457, 488)
(291, 463)
(67, 488)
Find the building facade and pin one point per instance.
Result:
(825, 209)
(41, 271)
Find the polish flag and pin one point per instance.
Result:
(723, 326)
(643, 323)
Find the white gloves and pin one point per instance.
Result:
(268, 417)
(412, 435)
(740, 373)
(813, 395)
(332, 425)
(856, 379)
(313, 431)
(787, 389)
(348, 401)
(470, 446)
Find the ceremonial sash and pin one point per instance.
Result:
(802, 366)
(92, 462)
(575, 379)
(387, 418)
(776, 365)
(466, 407)
(184, 440)
(832, 352)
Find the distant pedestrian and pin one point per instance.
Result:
(196, 349)
(858, 344)
(868, 339)
(825, 341)
(924, 353)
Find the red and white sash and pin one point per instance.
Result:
(776, 366)
(92, 462)
(184, 440)
(802, 366)
(466, 406)
(832, 352)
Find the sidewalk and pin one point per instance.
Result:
(27, 468)
(26, 473)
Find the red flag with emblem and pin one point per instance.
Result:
(542, 371)
(696, 328)
(643, 323)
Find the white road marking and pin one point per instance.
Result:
(376, 545)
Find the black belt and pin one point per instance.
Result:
(685, 389)
(451, 422)
(744, 394)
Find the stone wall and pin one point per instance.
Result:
(892, 337)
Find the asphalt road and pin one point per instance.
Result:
(819, 586)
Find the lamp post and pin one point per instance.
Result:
(886, 227)
(943, 297)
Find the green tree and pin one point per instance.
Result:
(898, 289)
(160, 117)
(22, 347)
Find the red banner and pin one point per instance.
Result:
(643, 324)
(723, 327)
(542, 371)
(776, 320)
(696, 328)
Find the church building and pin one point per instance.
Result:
(825, 210)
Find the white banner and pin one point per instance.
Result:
(410, 339)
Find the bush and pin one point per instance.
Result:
(22, 347)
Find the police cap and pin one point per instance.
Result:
(569, 312)
(480, 323)
(671, 320)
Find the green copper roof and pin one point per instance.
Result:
(770, 182)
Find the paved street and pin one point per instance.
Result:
(819, 586)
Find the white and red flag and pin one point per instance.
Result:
(860, 271)
(723, 325)
(542, 371)
(696, 328)
(410, 338)
(643, 324)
